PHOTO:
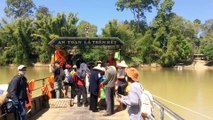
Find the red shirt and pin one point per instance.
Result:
(78, 80)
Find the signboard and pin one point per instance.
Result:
(85, 41)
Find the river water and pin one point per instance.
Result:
(187, 92)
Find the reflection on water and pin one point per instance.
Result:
(188, 88)
(7, 73)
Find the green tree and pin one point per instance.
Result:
(42, 10)
(46, 28)
(170, 38)
(85, 29)
(19, 8)
(207, 39)
(123, 31)
(16, 39)
(145, 48)
(138, 8)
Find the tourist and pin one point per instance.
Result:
(132, 100)
(94, 87)
(58, 77)
(67, 80)
(74, 86)
(122, 83)
(17, 91)
(109, 83)
(79, 77)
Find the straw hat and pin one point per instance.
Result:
(132, 73)
(99, 68)
(122, 64)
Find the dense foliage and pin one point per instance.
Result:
(168, 40)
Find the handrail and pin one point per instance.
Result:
(165, 111)
(43, 83)
(184, 108)
(41, 79)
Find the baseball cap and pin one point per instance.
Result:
(21, 68)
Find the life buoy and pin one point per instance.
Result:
(31, 86)
(46, 91)
(51, 81)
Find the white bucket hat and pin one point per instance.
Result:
(99, 68)
(122, 64)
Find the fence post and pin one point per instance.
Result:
(43, 82)
(162, 113)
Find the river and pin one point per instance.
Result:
(187, 92)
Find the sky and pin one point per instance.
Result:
(99, 12)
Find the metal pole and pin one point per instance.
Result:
(162, 113)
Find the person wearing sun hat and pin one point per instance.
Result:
(17, 91)
(122, 83)
(132, 100)
(94, 81)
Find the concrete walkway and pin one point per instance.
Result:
(78, 113)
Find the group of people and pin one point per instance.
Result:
(118, 82)
(121, 83)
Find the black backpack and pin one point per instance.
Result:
(9, 106)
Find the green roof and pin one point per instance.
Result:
(72, 41)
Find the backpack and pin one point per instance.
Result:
(9, 106)
(146, 104)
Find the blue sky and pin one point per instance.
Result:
(99, 12)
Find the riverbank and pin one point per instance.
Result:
(38, 64)
(196, 65)
(199, 65)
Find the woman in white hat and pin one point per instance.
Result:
(94, 87)
(122, 83)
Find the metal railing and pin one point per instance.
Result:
(161, 112)
(40, 80)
